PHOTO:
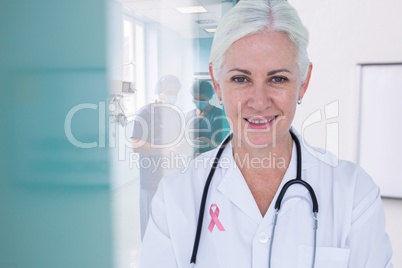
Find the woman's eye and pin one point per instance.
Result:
(240, 79)
(279, 79)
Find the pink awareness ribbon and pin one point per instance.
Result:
(214, 219)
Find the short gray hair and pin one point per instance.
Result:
(252, 16)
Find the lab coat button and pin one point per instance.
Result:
(263, 237)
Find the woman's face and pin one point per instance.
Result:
(259, 84)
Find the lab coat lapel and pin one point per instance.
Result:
(289, 175)
(235, 188)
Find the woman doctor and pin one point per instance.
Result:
(260, 69)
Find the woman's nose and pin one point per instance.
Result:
(259, 98)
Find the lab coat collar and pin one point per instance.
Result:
(235, 188)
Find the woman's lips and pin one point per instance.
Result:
(260, 122)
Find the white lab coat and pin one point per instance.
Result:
(351, 225)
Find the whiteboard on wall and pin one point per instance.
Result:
(380, 132)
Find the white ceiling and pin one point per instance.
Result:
(187, 25)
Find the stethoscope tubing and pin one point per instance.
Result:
(204, 198)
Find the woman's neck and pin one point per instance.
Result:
(270, 159)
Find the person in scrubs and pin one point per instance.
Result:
(261, 71)
(156, 126)
(206, 124)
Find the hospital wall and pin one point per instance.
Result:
(344, 34)
(168, 53)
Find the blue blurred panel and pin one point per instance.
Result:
(59, 122)
(53, 33)
(54, 176)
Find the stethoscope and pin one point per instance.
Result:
(297, 180)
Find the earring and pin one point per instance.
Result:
(220, 102)
(299, 101)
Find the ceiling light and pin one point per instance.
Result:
(211, 30)
(191, 10)
(205, 21)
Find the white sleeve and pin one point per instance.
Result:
(370, 245)
(157, 249)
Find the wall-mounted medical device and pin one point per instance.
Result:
(122, 87)
(122, 103)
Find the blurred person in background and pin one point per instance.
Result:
(207, 125)
(157, 127)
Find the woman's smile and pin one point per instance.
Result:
(260, 122)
